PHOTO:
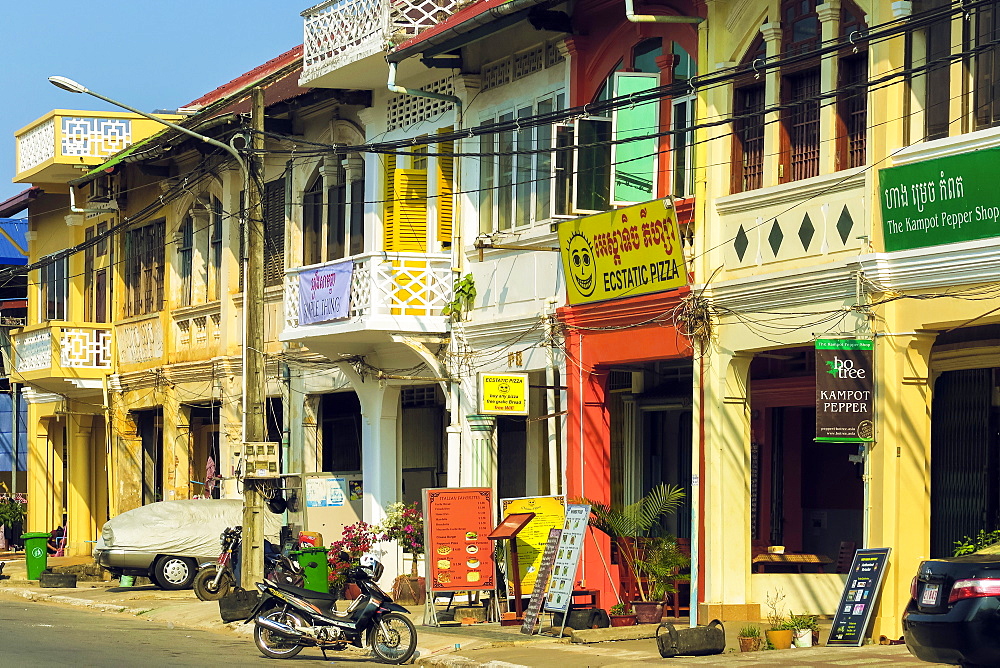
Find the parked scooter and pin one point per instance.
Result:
(215, 579)
(288, 618)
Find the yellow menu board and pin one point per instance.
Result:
(550, 513)
(503, 393)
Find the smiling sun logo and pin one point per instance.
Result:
(581, 264)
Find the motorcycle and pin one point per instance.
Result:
(288, 618)
(216, 579)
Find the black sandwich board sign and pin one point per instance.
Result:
(864, 582)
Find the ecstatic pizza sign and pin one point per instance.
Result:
(622, 253)
(845, 390)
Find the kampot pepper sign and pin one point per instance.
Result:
(845, 389)
(622, 253)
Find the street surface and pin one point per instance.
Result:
(40, 634)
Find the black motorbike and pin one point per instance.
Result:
(216, 578)
(288, 618)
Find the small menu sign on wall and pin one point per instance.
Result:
(864, 582)
(459, 552)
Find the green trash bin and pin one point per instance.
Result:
(315, 569)
(36, 553)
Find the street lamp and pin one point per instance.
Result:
(253, 313)
(76, 87)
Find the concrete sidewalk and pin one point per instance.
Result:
(463, 646)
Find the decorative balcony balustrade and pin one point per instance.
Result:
(340, 32)
(53, 148)
(402, 291)
(55, 347)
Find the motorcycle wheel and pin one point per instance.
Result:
(393, 638)
(271, 644)
(203, 584)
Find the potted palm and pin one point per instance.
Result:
(632, 525)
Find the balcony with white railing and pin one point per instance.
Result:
(62, 145)
(345, 41)
(52, 354)
(390, 294)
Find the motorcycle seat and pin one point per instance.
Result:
(304, 593)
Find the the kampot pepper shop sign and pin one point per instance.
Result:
(941, 201)
(622, 253)
(325, 293)
(844, 390)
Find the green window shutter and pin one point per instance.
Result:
(633, 163)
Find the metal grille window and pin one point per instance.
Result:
(801, 124)
(55, 289)
(88, 277)
(853, 111)
(185, 257)
(144, 252)
(748, 139)
(986, 97)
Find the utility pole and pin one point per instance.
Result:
(252, 563)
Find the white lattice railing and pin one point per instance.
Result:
(403, 284)
(68, 347)
(338, 32)
(36, 145)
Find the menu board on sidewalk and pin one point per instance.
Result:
(457, 523)
(857, 603)
(567, 558)
(541, 582)
(550, 512)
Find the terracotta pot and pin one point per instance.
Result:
(750, 644)
(623, 620)
(648, 612)
(780, 639)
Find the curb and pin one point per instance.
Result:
(69, 600)
(455, 661)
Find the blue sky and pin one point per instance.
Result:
(150, 55)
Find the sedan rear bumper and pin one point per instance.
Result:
(967, 633)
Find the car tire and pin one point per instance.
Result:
(172, 573)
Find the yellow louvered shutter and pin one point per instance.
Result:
(410, 228)
(445, 190)
(388, 202)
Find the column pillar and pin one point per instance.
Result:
(44, 475)
(829, 17)
(898, 512)
(723, 416)
(80, 526)
(772, 95)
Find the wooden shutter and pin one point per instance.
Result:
(445, 190)
(274, 231)
(410, 229)
(388, 202)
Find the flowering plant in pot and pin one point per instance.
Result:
(404, 525)
(357, 540)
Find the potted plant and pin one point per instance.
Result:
(749, 637)
(404, 525)
(12, 512)
(779, 635)
(621, 615)
(805, 629)
(661, 563)
(630, 526)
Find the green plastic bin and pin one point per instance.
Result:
(315, 569)
(36, 553)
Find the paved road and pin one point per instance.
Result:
(39, 634)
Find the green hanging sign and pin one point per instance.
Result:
(845, 390)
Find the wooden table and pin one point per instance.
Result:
(593, 594)
(768, 559)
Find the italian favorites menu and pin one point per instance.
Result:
(459, 554)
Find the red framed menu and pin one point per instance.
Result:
(457, 522)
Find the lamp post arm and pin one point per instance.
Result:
(208, 140)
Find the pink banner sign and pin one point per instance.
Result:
(325, 293)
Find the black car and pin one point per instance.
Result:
(954, 611)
